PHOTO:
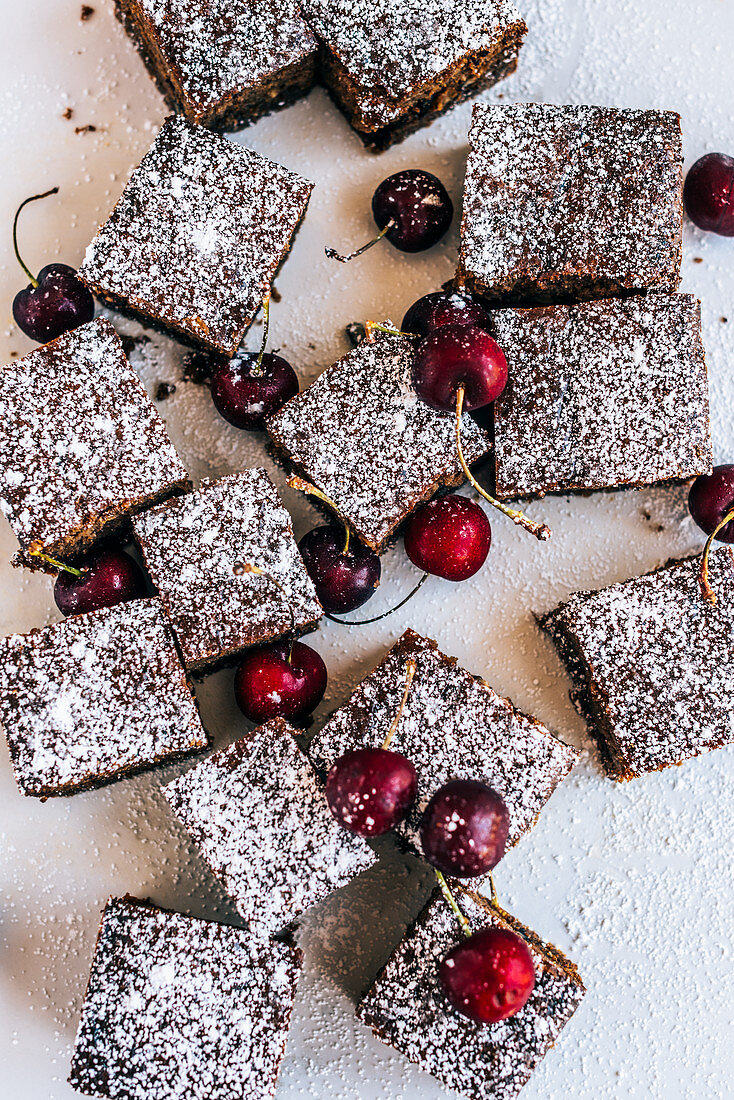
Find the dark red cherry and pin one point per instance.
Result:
(709, 194)
(464, 828)
(418, 204)
(448, 537)
(343, 581)
(109, 576)
(370, 791)
(711, 499)
(246, 395)
(269, 685)
(444, 307)
(489, 976)
(455, 356)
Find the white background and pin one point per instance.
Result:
(632, 881)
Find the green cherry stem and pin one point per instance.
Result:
(411, 668)
(707, 591)
(452, 904)
(371, 327)
(32, 278)
(334, 255)
(266, 332)
(60, 565)
(306, 487)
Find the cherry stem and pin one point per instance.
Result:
(540, 530)
(56, 564)
(306, 487)
(33, 279)
(384, 615)
(334, 255)
(451, 902)
(707, 591)
(266, 330)
(411, 668)
(371, 327)
(493, 896)
(246, 567)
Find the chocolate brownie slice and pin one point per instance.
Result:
(258, 814)
(95, 698)
(571, 202)
(453, 726)
(197, 236)
(408, 1010)
(653, 664)
(81, 444)
(601, 395)
(177, 1007)
(361, 435)
(223, 63)
(196, 547)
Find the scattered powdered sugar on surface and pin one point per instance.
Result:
(601, 394)
(259, 815)
(195, 547)
(197, 235)
(363, 414)
(182, 1007)
(93, 696)
(79, 438)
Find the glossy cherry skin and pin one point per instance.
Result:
(110, 577)
(58, 304)
(444, 307)
(449, 537)
(342, 581)
(370, 791)
(267, 685)
(454, 356)
(709, 194)
(711, 498)
(464, 828)
(420, 206)
(246, 398)
(489, 976)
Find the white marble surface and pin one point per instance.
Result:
(633, 881)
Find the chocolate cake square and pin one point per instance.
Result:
(196, 548)
(223, 63)
(361, 435)
(453, 726)
(259, 816)
(197, 236)
(601, 395)
(81, 444)
(562, 203)
(408, 1010)
(653, 664)
(177, 1007)
(394, 65)
(95, 698)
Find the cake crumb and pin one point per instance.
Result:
(86, 13)
(67, 113)
(88, 129)
(164, 390)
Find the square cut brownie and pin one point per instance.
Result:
(197, 236)
(81, 444)
(95, 698)
(571, 202)
(394, 65)
(195, 548)
(362, 435)
(408, 1010)
(453, 726)
(259, 816)
(177, 1007)
(223, 63)
(653, 664)
(601, 395)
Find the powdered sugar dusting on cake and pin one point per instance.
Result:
(182, 1007)
(258, 813)
(94, 697)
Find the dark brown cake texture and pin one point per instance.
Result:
(394, 65)
(361, 435)
(177, 1007)
(453, 726)
(81, 444)
(653, 664)
(95, 698)
(259, 816)
(408, 1010)
(601, 395)
(195, 240)
(195, 548)
(223, 63)
(571, 202)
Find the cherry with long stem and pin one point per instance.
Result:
(306, 487)
(707, 591)
(377, 618)
(31, 277)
